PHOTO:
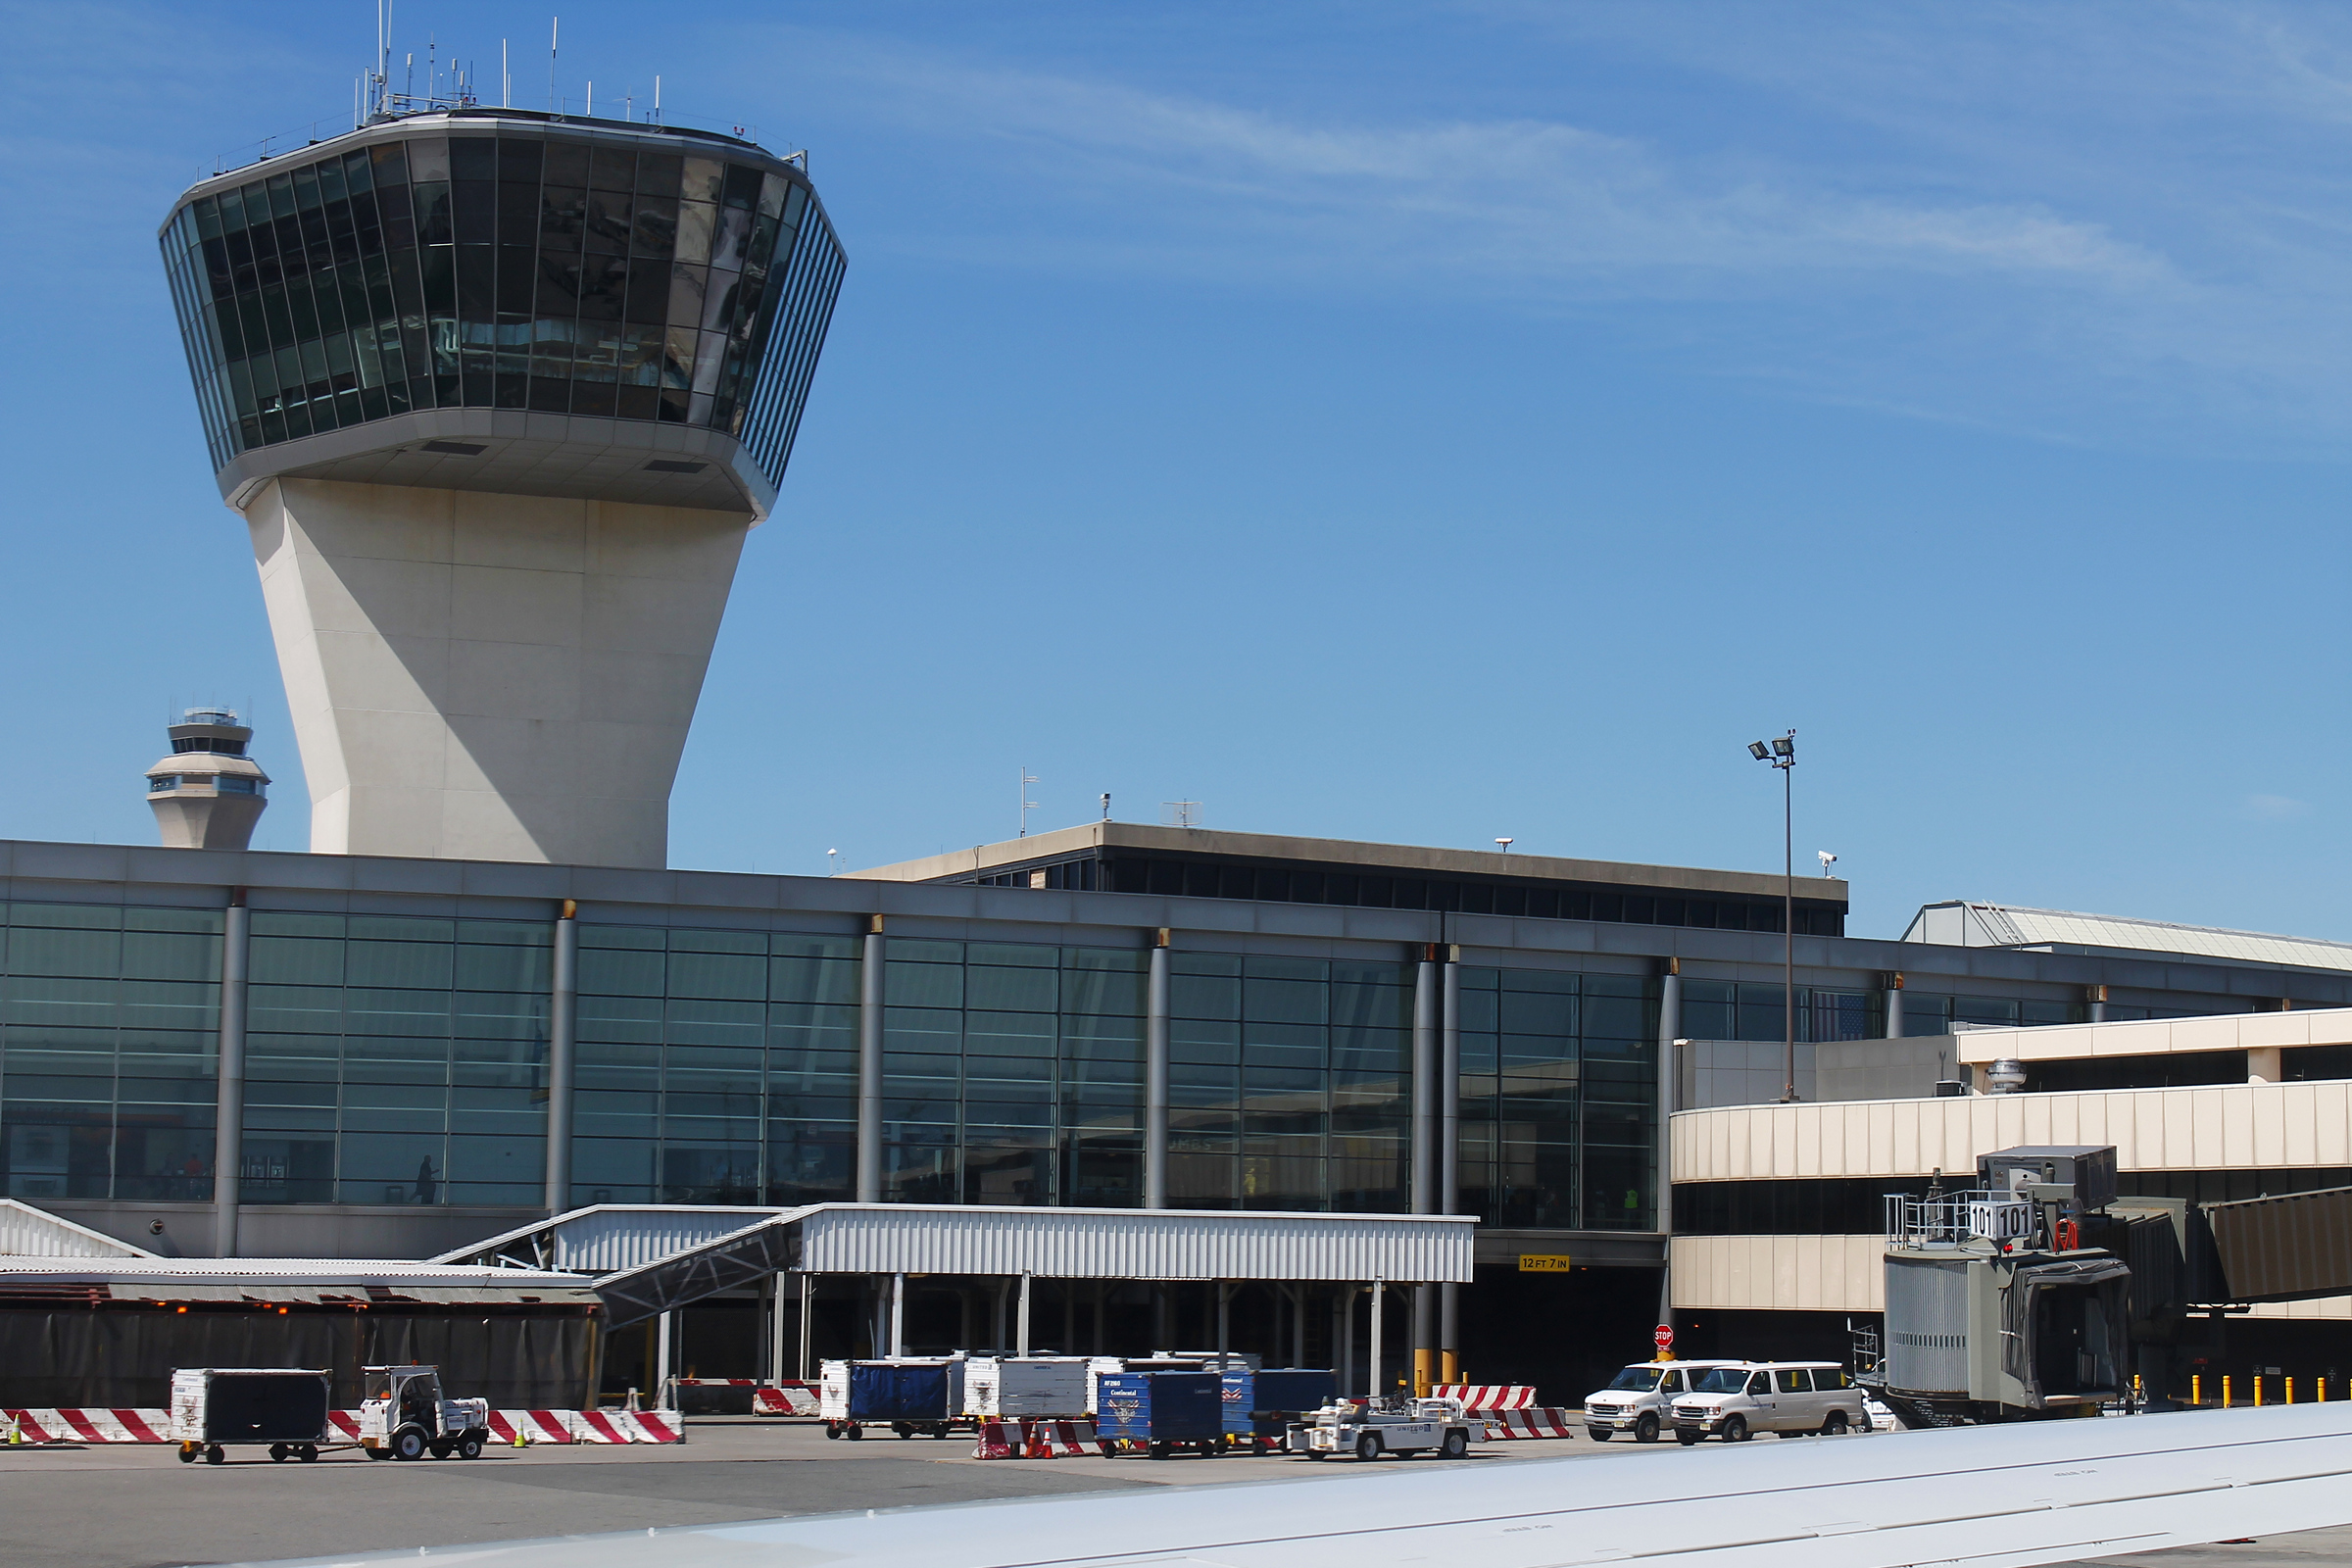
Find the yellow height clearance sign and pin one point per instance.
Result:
(1543, 1262)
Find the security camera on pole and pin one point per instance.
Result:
(1782, 754)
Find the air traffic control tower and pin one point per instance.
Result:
(499, 395)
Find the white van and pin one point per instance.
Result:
(1637, 1398)
(1794, 1398)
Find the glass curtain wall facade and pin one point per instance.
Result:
(395, 1060)
(721, 1066)
(1559, 1098)
(109, 1051)
(1290, 1083)
(522, 270)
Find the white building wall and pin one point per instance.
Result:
(2150, 1037)
(2226, 1127)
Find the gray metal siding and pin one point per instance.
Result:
(1926, 1326)
(1133, 1244)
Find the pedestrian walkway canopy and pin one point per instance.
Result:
(652, 1258)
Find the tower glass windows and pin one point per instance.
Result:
(502, 266)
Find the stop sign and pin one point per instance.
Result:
(1663, 1334)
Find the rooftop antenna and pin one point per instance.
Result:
(1027, 804)
(506, 79)
(432, 67)
(1827, 860)
(408, 90)
(1180, 813)
(832, 863)
(656, 100)
(555, 26)
(1504, 846)
(592, 99)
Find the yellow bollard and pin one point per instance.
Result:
(2257, 1390)
(2225, 1390)
(2196, 1389)
(2290, 1387)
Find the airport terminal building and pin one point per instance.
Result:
(426, 1053)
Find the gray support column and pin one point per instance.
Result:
(1425, 1085)
(1670, 1029)
(562, 1012)
(808, 1321)
(1156, 1075)
(1449, 1153)
(1894, 1006)
(1426, 1010)
(1020, 1339)
(229, 1125)
(2096, 996)
(869, 1065)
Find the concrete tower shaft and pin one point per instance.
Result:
(499, 395)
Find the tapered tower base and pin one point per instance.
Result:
(485, 677)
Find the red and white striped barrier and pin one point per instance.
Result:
(536, 1426)
(1481, 1396)
(784, 1398)
(1034, 1440)
(86, 1426)
(1544, 1421)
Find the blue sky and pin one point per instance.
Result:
(1421, 423)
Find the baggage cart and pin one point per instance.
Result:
(1261, 1406)
(214, 1407)
(907, 1393)
(1028, 1387)
(1154, 1413)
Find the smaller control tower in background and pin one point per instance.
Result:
(207, 793)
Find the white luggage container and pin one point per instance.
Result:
(1029, 1387)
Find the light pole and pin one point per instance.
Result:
(1780, 753)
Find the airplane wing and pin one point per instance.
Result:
(1996, 1497)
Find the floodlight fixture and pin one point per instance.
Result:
(1758, 750)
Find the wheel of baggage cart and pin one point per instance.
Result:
(187, 1455)
(307, 1453)
(1458, 1443)
(902, 1429)
(214, 1455)
(1210, 1448)
(832, 1431)
(409, 1443)
(1646, 1427)
(1734, 1429)
(1687, 1437)
(855, 1432)
(939, 1431)
(277, 1453)
(469, 1446)
(1598, 1433)
(1367, 1445)
(1158, 1450)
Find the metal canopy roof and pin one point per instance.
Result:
(660, 1258)
(30, 1232)
(1969, 923)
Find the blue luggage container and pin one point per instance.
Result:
(883, 1392)
(1262, 1404)
(1269, 1398)
(1152, 1411)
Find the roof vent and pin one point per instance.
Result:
(457, 449)
(673, 465)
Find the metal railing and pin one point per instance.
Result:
(1955, 1218)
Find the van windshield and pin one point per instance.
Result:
(1636, 1380)
(1721, 1380)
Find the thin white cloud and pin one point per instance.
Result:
(2276, 807)
(1529, 202)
